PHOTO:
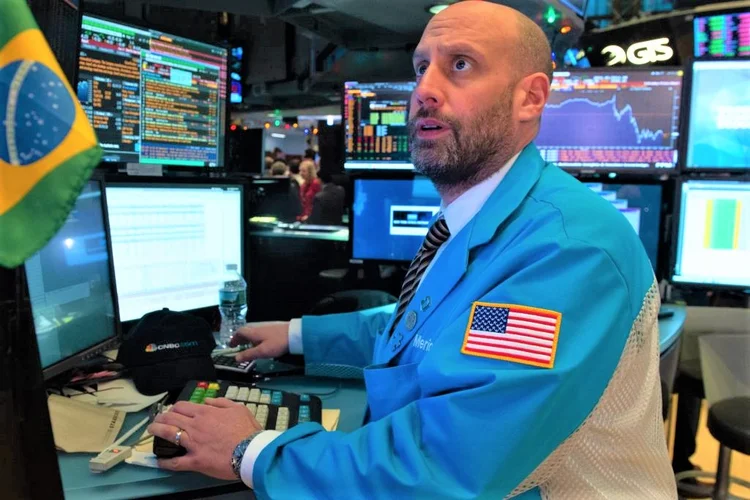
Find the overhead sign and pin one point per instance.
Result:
(639, 53)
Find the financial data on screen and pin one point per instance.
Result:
(713, 240)
(391, 217)
(719, 128)
(641, 206)
(612, 119)
(171, 244)
(722, 35)
(375, 123)
(153, 97)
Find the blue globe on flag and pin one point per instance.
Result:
(40, 112)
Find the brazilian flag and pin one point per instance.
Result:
(47, 146)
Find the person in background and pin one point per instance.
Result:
(328, 204)
(310, 154)
(280, 169)
(268, 162)
(278, 154)
(294, 172)
(309, 189)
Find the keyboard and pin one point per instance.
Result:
(273, 409)
(222, 362)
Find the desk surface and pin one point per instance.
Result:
(671, 328)
(129, 481)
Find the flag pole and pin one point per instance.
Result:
(28, 459)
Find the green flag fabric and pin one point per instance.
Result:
(47, 146)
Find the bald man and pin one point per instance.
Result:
(522, 357)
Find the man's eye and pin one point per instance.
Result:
(461, 65)
(421, 69)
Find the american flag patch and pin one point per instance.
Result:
(515, 333)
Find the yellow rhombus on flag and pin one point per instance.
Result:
(47, 146)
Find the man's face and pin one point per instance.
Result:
(461, 115)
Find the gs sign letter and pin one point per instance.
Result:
(649, 51)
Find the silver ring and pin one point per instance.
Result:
(177, 437)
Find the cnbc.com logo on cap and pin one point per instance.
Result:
(163, 347)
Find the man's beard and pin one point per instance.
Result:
(470, 154)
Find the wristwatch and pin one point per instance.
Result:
(239, 453)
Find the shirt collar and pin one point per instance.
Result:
(466, 206)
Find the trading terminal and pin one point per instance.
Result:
(260, 143)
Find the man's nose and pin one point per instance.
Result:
(428, 93)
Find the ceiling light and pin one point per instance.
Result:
(437, 8)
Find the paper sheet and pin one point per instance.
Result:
(122, 395)
(331, 419)
(82, 427)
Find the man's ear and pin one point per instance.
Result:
(535, 91)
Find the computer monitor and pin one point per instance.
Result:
(641, 205)
(390, 217)
(153, 97)
(719, 123)
(713, 234)
(722, 35)
(376, 135)
(171, 243)
(71, 288)
(624, 119)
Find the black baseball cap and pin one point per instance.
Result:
(166, 350)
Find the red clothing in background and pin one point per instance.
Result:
(307, 193)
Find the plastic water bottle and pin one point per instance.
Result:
(232, 303)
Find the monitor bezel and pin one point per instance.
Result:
(674, 247)
(116, 166)
(389, 175)
(672, 172)
(76, 359)
(687, 113)
(355, 170)
(209, 312)
(668, 186)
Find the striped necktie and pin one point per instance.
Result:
(436, 236)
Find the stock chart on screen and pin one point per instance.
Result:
(152, 97)
(612, 119)
(722, 36)
(719, 126)
(375, 121)
(713, 240)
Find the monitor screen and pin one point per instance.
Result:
(713, 234)
(719, 128)
(153, 97)
(171, 243)
(391, 217)
(613, 119)
(69, 283)
(641, 206)
(722, 35)
(375, 125)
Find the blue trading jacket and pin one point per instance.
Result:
(444, 422)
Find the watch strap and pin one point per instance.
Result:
(239, 453)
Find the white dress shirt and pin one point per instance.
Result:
(457, 215)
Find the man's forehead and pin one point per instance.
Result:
(464, 32)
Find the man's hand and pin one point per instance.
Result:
(270, 338)
(210, 433)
